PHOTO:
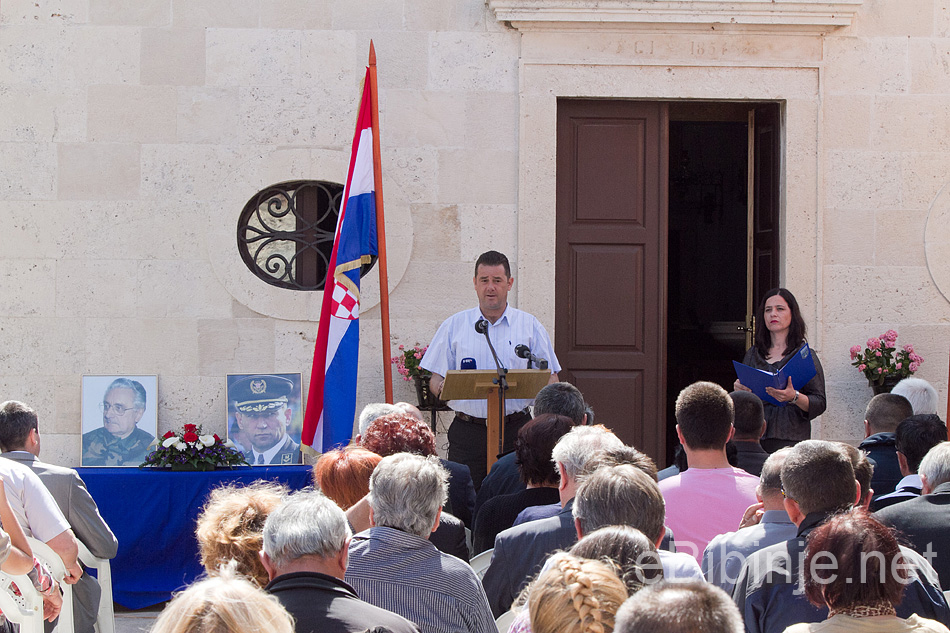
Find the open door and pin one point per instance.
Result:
(764, 173)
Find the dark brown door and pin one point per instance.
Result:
(766, 165)
(610, 293)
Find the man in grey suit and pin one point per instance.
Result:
(20, 441)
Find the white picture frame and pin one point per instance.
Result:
(118, 440)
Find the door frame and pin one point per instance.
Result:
(542, 83)
(545, 76)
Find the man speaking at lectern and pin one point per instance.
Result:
(459, 345)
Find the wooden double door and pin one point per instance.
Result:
(659, 258)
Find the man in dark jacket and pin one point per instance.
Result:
(306, 542)
(818, 481)
(750, 427)
(923, 521)
(915, 436)
(885, 411)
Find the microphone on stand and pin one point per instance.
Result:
(523, 351)
(481, 326)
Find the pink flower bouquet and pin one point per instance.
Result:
(878, 360)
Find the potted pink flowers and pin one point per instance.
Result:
(882, 364)
(407, 364)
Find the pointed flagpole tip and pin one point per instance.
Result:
(372, 54)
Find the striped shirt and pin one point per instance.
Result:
(406, 574)
(456, 339)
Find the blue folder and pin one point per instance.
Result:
(800, 368)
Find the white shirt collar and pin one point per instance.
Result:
(272, 451)
(478, 315)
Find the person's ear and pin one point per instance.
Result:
(343, 558)
(268, 564)
(867, 429)
(562, 481)
(438, 517)
(679, 435)
(794, 511)
(732, 432)
(577, 528)
(925, 488)
(902, 464)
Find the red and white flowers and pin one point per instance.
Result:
(191, 446)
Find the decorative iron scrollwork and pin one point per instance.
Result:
(285, 233)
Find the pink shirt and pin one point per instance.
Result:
(702, 503)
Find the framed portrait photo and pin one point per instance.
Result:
(119, 419)
(265, 417)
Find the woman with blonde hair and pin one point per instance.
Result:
(575, 595)
(224, 603)
(231, 527)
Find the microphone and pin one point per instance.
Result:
(481, 326)
(523, 351)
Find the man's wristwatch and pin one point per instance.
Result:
(795, 399)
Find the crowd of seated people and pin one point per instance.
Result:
(605, 546)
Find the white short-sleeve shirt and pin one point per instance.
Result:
(457, 340)
(31, 502)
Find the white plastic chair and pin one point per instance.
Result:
(480, 563)
(105, 621)
(45, 554)
(503, 622)
(24, 607)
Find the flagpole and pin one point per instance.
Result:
(380, 228)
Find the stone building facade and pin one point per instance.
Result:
(133, 133)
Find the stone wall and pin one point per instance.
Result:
(132, 134)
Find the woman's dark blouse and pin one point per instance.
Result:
(790, 422)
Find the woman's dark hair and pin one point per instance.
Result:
(796, 330)
(628, 550)
(536, 440)
(867, 569)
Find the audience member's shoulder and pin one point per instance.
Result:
(770, 562)
(53, 469)
(15, 469)
(671, 483)
(529, 529)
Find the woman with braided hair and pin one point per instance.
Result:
(575, 595)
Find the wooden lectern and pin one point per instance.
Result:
(481, 384)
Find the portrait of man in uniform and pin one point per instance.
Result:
(119, 419)
(265, 410)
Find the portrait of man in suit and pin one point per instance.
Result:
(264, 407)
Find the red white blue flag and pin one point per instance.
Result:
(331, 404)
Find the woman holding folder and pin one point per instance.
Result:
(774, 345)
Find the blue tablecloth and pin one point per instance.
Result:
(153, 515)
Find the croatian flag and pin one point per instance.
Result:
(331, 404)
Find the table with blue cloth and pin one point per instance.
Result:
(153, 514)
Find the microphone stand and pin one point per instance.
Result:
(501, 381)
